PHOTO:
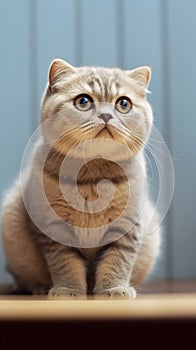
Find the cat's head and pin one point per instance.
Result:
(89, 103)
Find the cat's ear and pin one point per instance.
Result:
(142, 76)
(58, 69)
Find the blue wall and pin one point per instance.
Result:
(126, 33)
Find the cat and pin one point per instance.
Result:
(108, 108)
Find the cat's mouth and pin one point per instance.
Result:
(106, 131)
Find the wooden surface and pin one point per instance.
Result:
(159, 306)
(38, 323)
(160, 300)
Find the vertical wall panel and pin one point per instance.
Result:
(143, 46)
(126, 33)
(55, 37)
(142, 21)
(14, 92)
(182, 60)
(99, 33)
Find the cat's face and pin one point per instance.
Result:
(89, 103)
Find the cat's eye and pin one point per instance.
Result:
(83, 102)
(123, 105)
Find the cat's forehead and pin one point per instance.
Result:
(103, 82)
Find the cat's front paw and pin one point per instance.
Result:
(65, 293)
(116, 292)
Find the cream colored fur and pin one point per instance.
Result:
(37, 262)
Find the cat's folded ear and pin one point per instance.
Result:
(142, 76)
(58, 70)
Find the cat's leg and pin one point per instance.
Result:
(148, 252)
(24, 259)
(114, 267)
(149, 246)
(67, 268)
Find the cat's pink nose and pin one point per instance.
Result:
(105, 116)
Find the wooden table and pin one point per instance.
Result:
(36, 323)
(159, 306)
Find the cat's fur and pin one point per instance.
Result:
(38, 263)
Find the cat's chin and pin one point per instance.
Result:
(105, 132)
(101, 147)
(109, 132)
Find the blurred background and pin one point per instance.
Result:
(124, 33)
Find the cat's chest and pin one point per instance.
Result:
(91, 212)
(89, 205)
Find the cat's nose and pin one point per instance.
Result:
(105, 116)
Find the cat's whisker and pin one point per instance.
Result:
(150, 146)
(149, 139)
(153, 147)
(122, 131)
(86, 128)
(156, 141)
(123, 127)
(135, 149)
(136, 143)
(90, 122)
(128, 137)
(131, 135)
